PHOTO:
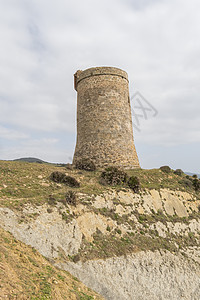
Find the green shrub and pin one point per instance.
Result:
(71, 181)
(196, 184)
(113, 176)
(165, 169)
(60, 177)
(195, 176)
(108, 228)
(134, 183)
(142, 218)
(179, 172)
(85, 164)
(71, 198)
(57, 176)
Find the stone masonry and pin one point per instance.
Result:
(104, 124)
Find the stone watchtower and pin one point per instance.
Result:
(104, 124)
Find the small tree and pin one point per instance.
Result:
(165, 169)
(179, 172)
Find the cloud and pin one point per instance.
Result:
(42, 46)
(11, 134)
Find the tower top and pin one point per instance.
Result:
(96, 71)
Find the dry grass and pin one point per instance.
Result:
(25, 274)
(22, 182)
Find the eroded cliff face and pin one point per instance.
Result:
(121, 244)
(51, 229)
(143, 275)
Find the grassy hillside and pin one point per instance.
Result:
(22, 182)
(25, 274)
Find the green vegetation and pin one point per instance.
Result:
(105, 246)
(196, 184)
(113, 176)
(134, 184)
(61, 177)
(115, 243)
(85, 164)
(179, 172)
(165, 169)
(71, 198)
(22, 182)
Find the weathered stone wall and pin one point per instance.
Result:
(104, 124)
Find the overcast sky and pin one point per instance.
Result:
(43, 43)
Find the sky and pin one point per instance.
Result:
(43, 43)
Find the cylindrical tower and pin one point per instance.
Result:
(104, 124)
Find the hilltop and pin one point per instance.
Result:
(97, 230)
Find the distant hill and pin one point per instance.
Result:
(191, 174)
(31, 160)
(39, 161)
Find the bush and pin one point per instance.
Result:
(165, 169)
(60, 177)
(179, 172)
(134, 183)
(52, 200)
(71, 198)
(71, 181)
(196, 184)
(195, 176)
(85, 164)
(113, 176)
(57, 177)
